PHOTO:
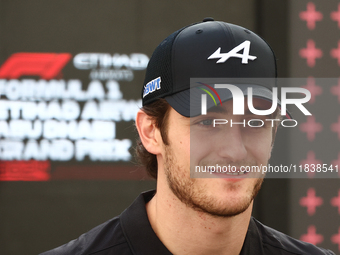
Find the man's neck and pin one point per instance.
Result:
(184, 230)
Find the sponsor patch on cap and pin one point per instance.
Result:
(152, 86)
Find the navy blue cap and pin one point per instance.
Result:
(209, 49)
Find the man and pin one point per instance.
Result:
(199, 215)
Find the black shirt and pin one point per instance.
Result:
(131, 234)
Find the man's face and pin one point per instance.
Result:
(195, 142)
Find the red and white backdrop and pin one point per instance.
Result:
(70, 84)
(62, 114)
(315, 57)
(71, 76)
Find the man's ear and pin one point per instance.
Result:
(148, 132)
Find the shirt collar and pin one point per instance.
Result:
(143, 240)
(253, 242)
(137, 229)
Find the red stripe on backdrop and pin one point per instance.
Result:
(76, 172)
(31, 170)
(34, 170)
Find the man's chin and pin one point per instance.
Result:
(228, 202)
(231, 210)
(216, 198)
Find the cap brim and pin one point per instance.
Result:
(188, 102)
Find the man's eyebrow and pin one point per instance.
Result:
(248, 112)
(218, 109)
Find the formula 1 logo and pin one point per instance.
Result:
(223, 57)
(45, 65)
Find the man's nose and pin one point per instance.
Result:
(231, 144)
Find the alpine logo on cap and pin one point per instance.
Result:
(152, 86)
(223, 57)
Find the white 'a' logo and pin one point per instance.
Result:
(223, 57)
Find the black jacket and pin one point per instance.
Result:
(131, 234)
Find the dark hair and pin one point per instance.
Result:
(158, 111)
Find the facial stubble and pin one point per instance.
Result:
(189, 192)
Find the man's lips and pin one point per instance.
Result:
(225, 171)
(230, 173)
